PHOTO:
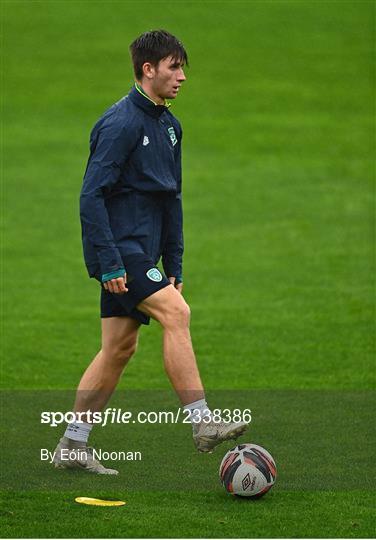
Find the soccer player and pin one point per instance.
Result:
(131, 216)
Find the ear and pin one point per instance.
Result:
(148, 70)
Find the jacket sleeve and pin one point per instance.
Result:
(172, 256)
(111, 145)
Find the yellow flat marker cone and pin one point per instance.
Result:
(98, 502)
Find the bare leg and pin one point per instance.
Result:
(119, 342)
(169, 308)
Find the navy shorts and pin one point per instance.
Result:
(143, 280)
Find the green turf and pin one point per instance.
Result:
(278, 199)
(328, 514)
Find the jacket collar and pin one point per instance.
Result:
(140, 98)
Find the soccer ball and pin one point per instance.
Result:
(248, 470)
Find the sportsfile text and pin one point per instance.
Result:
(112, 415)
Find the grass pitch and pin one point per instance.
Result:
(278, 200)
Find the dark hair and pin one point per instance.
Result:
(154, 46)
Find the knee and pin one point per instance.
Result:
(120, 353)
(176, 315)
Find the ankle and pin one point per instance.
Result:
(197, 411)
(78, 432)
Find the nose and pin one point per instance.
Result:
(181, 76)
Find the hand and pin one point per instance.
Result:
(178, 287)
(117, 285)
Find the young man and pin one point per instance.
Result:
(131, 215)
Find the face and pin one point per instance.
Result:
(166, 79)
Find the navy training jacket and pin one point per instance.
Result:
(131, 195)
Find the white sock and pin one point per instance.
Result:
(78, 431)
(197, 410)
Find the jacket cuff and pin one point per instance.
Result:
(109, 260)
(172, 266)
(113, 275)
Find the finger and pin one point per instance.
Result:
(114, 284)
(105, 285)
(125, 282)
(121, 285)
(172, 280)
(179, 287)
